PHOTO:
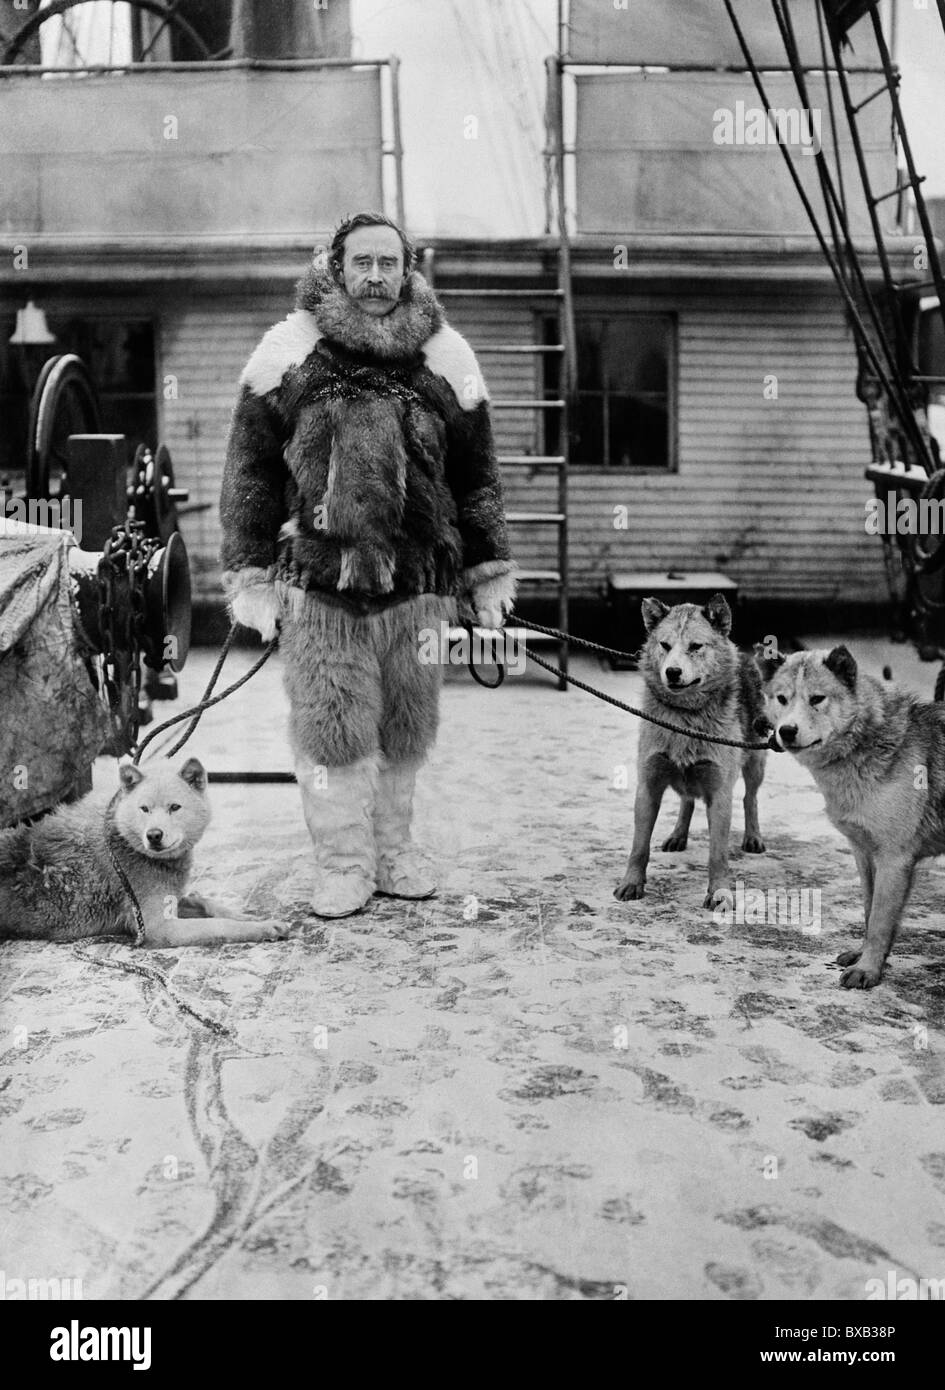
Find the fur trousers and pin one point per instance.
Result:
(355, 683)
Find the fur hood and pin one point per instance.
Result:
(398, 336)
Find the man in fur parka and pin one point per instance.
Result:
(361, 505)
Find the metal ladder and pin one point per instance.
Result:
(841, 15)
(555, 580)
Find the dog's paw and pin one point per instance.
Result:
(674, 844)
(263, 929)
(848, 957)
(861, 977)
(274, 931)
(753, 844)
(629, 889)
(719, 898)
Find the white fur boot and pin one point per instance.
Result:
(339, 816)
(403, 871)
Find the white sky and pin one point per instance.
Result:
(467, 58)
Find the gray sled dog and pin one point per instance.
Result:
(697, 678)
(878, 756)
(58, 882)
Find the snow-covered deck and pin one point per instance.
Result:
(522, 1089)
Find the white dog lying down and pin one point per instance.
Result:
(58, 879)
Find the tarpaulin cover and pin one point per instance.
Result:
(679, 32)
(52, 724)
(680, 152)
(182, 154)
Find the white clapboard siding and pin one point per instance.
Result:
(205, 341)
(769, 491)
(511, 376)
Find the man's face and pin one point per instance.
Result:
(373, 269)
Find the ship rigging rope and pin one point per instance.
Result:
(843, 247)
(892, 381)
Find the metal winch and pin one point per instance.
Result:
(129, 572)
(132, 602)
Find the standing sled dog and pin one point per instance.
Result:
(58, 881)
(878, 756)
(697, 678)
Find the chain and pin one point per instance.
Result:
(138, 573)
(122, 578)
(110, 835)
(106, 605)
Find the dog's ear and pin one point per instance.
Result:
(769, 663)
(194, 774)
(840, 663)
(654, 611)
(718, 613)
(129, 775)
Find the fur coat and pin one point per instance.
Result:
(360, 461)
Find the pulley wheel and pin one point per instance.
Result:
(64, 402)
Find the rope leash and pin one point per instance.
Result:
(549, 632)
(196, 712)
(471, 664)
(650, 718)
(155, 977)
(619, 704)
(214, 677)
(574, 641)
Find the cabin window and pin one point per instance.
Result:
(120, 355)
(623, 413)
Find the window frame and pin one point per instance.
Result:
(606, 468)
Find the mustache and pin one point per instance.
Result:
(373, 292)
